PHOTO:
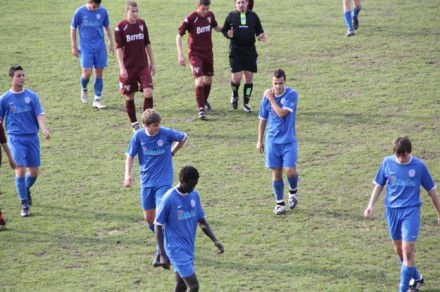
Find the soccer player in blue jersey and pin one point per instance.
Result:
(23, 117)
(175, 226)
(351, 17)
(403, 174)
(154, 145)
(277, 118)
(91, 20)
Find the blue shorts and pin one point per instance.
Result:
(93, 59)
(152, 196)
(25, 150)
(184, 269)
(403, 223)
(281, 155)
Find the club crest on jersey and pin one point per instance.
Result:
(411, 173)
(141, 27)
(196, 70)
(160, 142)
(209, 19)
(27, 99)
(193, 203)
(98, 16)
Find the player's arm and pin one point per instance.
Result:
(377, 190)
(218, 28)
(436, 202)
(158, 231)
(178, 145)
(281, 112)
(43, 126)
(5, 146)
(111, 45)
(180, 56)
(260, 141)
(73, 44)
(128, 167)
(152, 63)
(122, 70)
(208, 231)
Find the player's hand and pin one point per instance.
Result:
(368, 212)
(13, 165)
(123, 73)
(46, 133)
(268, 93)
(75, 51)
(128, 182)
(220, 247)
(152, 69)
(111, 48)
(164, 262)
(262, 37)
(260, 147)
(182, 61)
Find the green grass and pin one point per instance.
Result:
(356, 95)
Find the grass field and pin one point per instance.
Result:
(357, 94)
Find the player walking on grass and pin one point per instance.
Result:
(351, 17)
(242, 26)
(277, 119)
(136, 61)
(23, 116)
(175, 226)
(91, 20)
(403, 175)
(199, 25)
(154, 145)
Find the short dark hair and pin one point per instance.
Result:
(204, 2)
(13, 69)
(279, 73)
(188, 173)
(402, 145)
(96, 1)
(130, 4)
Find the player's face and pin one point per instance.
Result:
(132, 13)
(202, 10)
(278, 85)
(93, 6)
(18, 79)
(241, 5)
(152, 129)
(403, 158)
(188, 186)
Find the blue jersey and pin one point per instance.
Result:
(403, 181)
(90, 25)
(154, 153)
(180, 214)
(280, 130)
(19, 111)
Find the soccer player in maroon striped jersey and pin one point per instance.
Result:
(199, 25)
(136, 61)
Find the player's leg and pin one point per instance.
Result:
(273, 160)
(347, 16)
(237, 68)
(410, 233)
(355, 13)
(86, 61)
(207, 81)
(290, 159)
(196, 62)
(100, 62)
(19, 152)
(192, 283)
(145, 80)
(250, 67)
(185, 272)
(180, 284)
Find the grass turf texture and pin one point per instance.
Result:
(356, 94)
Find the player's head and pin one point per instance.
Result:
(13, 69)
(132, 10)
(402, 148)
(278, 82)
(150, 116)
(203, 7)
(94, 4)
(188, 178)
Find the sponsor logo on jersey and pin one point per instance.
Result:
(135, 37)
(203, 29)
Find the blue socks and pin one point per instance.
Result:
(356, 12)
(348, 20)
(84, 83)
(98, 86)
(406, 274)
(293, 182)
(278, 190)
(20, 185)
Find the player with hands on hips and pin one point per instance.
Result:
(403, 175)
(176, 222)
